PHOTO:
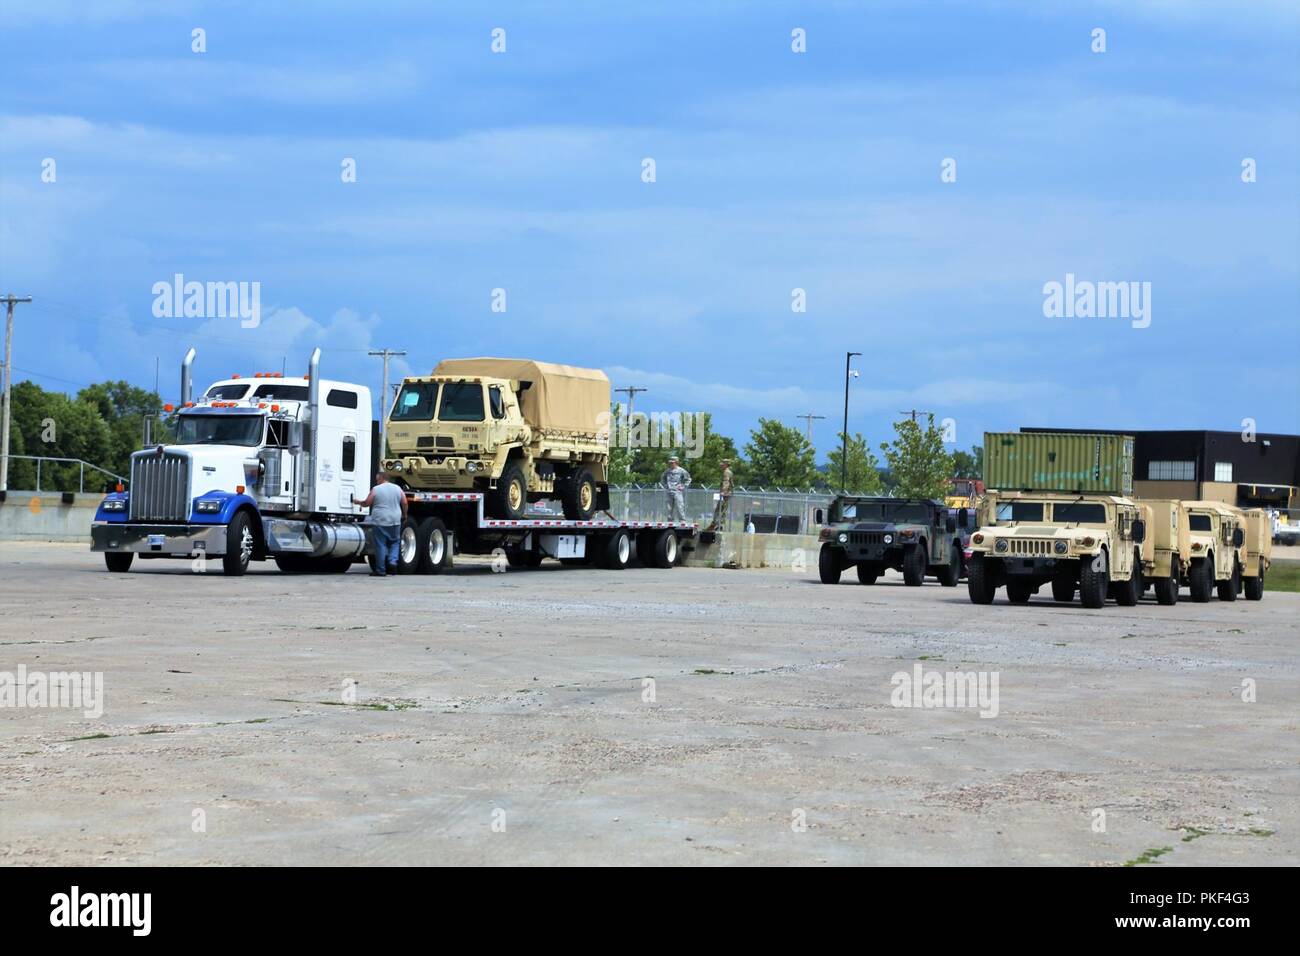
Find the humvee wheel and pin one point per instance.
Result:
(1019, 592)
(979, 583)
(828, 565)
(914, 565)
(1128, 592)
(1200, 580)
(1093, 581)
(1063, 590)
(951, 574)
(431, 540)
(1229, 589)
(120, 561)
(1255, 586)
(509, 499)
(578, 496)
(867, 572)
(1167, 588)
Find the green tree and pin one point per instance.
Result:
(863, 472)
(918, 465)
(124, 407)
(779, 456)
(968, 464)
(646, 464)
(53, 425)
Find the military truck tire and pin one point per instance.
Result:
(828, 565)
(578, 496)
(1167, 588)
(408, 547)
(509, 499)
(950, 574)
(1229, 589)
(867, 572)
(914, 565)
(239, 545)
(1254, 587)
(118, 562)
(1200, 580)
(1019, 592)
(979, 584)
(1063, 590)
(666, 549)
(431, 540)
(1092, 583)
(1128, 592)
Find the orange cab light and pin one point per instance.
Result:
(234, 376)
(261, 404)
(189, 404)
(275, 408)
(239, 489)
(167, 407)
(118, 487)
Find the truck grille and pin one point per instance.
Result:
(1030, 547)
(159, 487)
(866, 537)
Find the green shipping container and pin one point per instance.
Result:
(1058, 461)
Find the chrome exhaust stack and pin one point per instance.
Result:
(186, 378)
(313, 410)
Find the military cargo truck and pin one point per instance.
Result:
(515, 430)
(1218, 533)
(1166, 553)
(1092, 543)
(1257, 554)
(917, 536)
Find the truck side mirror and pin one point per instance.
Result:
(294, 438)
(1238, 538)
(1139, 530)
(951, 524)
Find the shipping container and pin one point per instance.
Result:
(1058, 461)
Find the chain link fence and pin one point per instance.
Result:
(769, 511)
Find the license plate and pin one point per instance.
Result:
(155, 541)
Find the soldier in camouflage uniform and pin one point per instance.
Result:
(722, 510)
(674, 481)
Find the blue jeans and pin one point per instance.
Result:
(386, 541)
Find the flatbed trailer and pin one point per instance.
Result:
(441, 524)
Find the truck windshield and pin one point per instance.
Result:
(461, 402)
(288, 393)
(1079, 513)
(226, 393)
(219, 430)
(415, 402)
(1020, 511)
(1199, 523)
(909, 512)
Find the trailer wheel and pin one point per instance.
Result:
(914, 565)
(951, 573)
(979, 581)
(665, 549)
(578, 496)
(120, 561)
(408, 547)
(431, 539)
(617, 551)
(646, 542)
(509, 499)
(829, 568)
(239, 545)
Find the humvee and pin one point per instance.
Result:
(1089, 542)
(914, 535)
(1218, 533)
(515, 429)
(1167, 551)
(1257, 554)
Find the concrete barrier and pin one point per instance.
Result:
(43, 516)
(735, 549)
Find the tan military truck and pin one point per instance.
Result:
(1257, 554)
(1089, 542)
(1167, 551)
(515, 429)
(1218, 534)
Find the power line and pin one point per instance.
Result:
(383, 395)
(631, 402)
(810, 418)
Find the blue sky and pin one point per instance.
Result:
(775, 171)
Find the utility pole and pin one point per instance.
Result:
(631, 402)
(9, 301)
(809, 418)
(913, 412)
(383, 396)
(844, 435)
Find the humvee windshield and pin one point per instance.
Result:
(461, 402)
(1199, 523)
(219, 430)
(1079, 513)
(415, 402)
(884, 511)
(1020, 511)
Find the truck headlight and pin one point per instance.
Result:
(115, 504)
(977, 538)
(888, 539)
(1001, 545)
(1061, 547)
(843, 538)
(208, 506)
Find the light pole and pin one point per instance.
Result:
(844, 435)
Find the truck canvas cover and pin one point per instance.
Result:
(558, 397)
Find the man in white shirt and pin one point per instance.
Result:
(387, 504)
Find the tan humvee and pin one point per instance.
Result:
(1257, 554)
(1167, 551)
(1089, 542)
(515, 429)
(1218, 534)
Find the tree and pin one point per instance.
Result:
(124, 407)
(968, 464)
(918, 465)
(646, 462)
(779, 456)
(52, 425)
(863, 472)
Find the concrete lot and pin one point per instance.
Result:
(523, 692)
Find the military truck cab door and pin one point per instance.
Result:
(498, 422)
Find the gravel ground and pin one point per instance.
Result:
(505, 718)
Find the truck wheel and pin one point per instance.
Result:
(1128, 592)
(1093, 581)
(979, 583)
(1201, 579)
(578, 496)
(617, 552)
(665, 549)
(1255, 586)
(1063, 590)
(867, 572)
(645, 548)
(408, 547)
(239, 545)
(1019, 592)
(1228, 589)
(431, 538)
(120, 561)
(1167, 588)
(914, 565)
(828, 565)
(951, 574)
(509, 499)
